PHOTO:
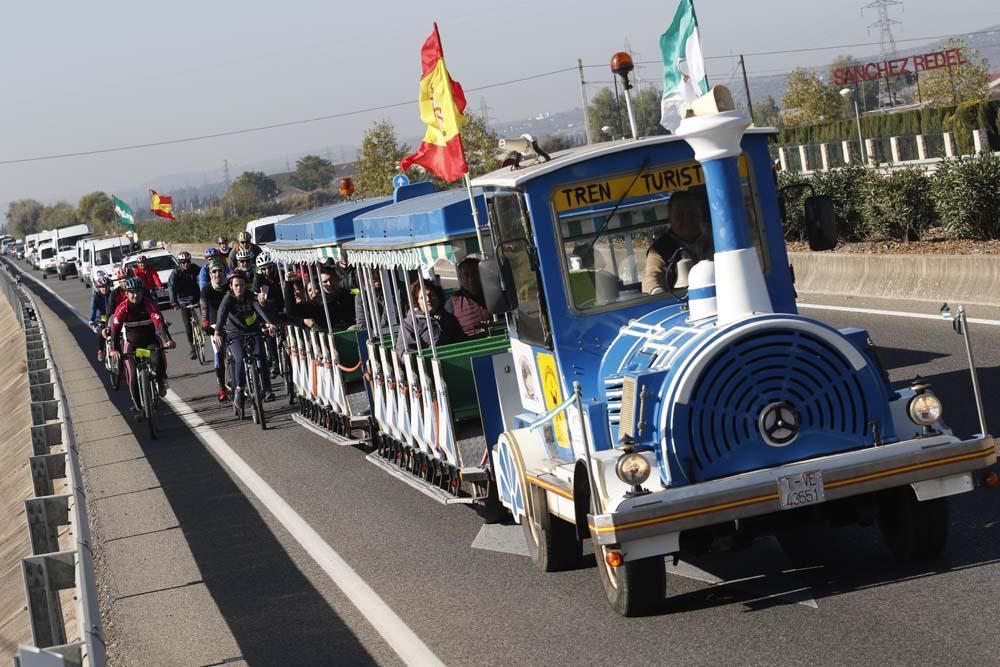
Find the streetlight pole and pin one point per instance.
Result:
(848, 94)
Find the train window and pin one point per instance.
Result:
(606, 248)
(512, 232)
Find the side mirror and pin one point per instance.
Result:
(821, 223)
(498, 285)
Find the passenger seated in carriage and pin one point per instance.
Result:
(467, 304)
(428, 320)
(311, 310)
(689, 233)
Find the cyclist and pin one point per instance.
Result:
(241, 315)
(184, 292)
(99, 308)
(117, 294)
(143, 325)
(243, 242)
(211, 297)
(203, 277)
(150, 278)
(267, 289)
(245, 262)
(222, 245)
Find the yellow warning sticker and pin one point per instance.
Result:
(552, 391)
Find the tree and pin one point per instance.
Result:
(23, 217)
(807, 100)
(57, 216)
(251, 192)
(97, 210)
(554, 142)
(312, 173)
(767, 114)
(481, 145)
(951, 86)
(607, 111)
(378, 159)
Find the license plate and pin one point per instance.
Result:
(804, 488)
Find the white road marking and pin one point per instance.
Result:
(410, 648)
(892, 313)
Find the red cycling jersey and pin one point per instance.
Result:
(142, 323)
(150, 278)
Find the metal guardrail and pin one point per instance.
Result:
(49, 570)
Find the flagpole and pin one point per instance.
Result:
(475, 213)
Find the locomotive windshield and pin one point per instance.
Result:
(512, 230)
(623, 237)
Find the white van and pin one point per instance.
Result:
(106, 254)
(46, 257)
(262, 229)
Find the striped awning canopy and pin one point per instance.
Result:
(451, 250)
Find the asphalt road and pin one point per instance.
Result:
(825, 597)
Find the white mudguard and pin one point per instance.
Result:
(430, 409)
(446, 433)
(338, 394)
(390, 394)
(413, 396)
(377, 386)
(402, 402)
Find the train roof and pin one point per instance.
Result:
(505, 177)
(438, 218)
(326, 226)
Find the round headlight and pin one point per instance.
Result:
(632, 469)
(925, 409)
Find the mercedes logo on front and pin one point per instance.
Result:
(779, 424)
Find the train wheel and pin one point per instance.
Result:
(552, 542)
(634, 588)
(913, 530)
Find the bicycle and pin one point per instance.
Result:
(253, 380)
(197, 335)
(149, 397)
(113, 367)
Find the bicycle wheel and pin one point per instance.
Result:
(258, 394)
(114, 373)
(199, 340)
(143, 377)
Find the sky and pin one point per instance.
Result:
(92, 76)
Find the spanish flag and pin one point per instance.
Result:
(442, 104)
(162, 205)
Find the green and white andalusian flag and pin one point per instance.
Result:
(126, 217)
(684, 77)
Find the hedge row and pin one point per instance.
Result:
(962, 196)
(958, 120)
(192, 228)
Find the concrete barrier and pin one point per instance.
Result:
(968, 279)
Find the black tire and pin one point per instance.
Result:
(256, 391)
(634, 588)
(913, 530)
(115, 375)
(146, 398)
(552, 542)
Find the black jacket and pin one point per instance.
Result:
(240, 316)
(183, 285)
(339, 303)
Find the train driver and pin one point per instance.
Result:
(689, 233)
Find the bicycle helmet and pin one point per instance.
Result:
(221, 240)
(183, 257)
(244, 255)
(244, 237)
(211, 252)
(133, 284)
(141, 259)
(238, 274)
(264, 259)
(101, 280)
(216, 265)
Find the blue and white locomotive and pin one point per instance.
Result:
(656, 422)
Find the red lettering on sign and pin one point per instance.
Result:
(838, 76)
(871, 71)
(918, 63)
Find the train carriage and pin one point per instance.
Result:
(324, 372)
(435, 405)
(681, 418)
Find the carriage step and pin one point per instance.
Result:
(424, 487)
(335, 438)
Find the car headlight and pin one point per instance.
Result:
(925, 409)
(632, 468)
